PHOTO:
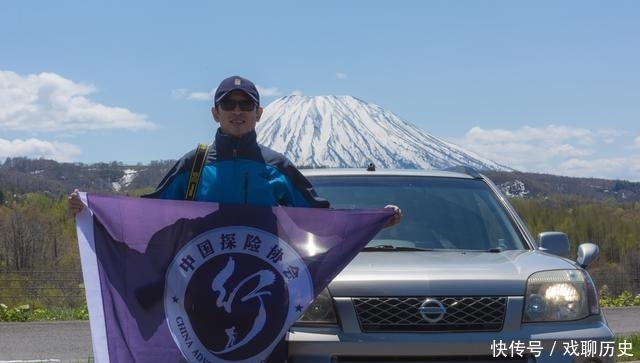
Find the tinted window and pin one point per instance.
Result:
(438, 213)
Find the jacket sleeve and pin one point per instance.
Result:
(174, 184)
(304, 187)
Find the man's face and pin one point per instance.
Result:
(237, 114)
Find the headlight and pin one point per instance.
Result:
(559, 295)
(320, 311)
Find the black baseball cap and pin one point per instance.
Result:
(238, 83)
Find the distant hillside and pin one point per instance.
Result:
(21, 175)
(521, 184)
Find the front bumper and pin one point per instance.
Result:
(585, 340)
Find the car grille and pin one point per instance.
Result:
(402, 314)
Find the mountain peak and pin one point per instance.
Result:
(344, 131)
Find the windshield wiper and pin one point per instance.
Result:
(495, 249)
(379, 248)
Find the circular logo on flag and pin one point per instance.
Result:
(232, 293)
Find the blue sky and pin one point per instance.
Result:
(544, 86)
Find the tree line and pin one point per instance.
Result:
(614, 226)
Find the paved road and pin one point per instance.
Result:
(623, 321)
(70, 341)
(62, 341)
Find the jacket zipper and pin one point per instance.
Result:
(246, 187)
(246, 175)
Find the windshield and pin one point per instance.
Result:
(438, 213)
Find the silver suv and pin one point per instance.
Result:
(460, 279)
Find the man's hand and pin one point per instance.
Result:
(397, 216)
(75, 203)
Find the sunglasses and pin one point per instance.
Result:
(230, 105)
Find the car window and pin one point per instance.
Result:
(438, 213)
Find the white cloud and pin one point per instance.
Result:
(575, 166)
(34, 149)
(610, 136)
(558, 150)
(341, 75)
(180, 93)
(200, 96)
(184, 94)
(47, 102)
(621, 167)
(268, 92)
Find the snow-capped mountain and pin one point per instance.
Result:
(343, 131)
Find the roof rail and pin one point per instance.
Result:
(464, 169)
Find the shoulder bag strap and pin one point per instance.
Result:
(196, 170)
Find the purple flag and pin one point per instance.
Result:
(181, 281)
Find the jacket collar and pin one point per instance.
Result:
(228, 146)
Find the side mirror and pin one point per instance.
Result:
(587, 252)
(556, 243)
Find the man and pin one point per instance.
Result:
(235, 169)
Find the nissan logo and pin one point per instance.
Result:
(432, 310)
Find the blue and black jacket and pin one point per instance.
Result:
(238, 170)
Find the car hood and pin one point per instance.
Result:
(443, 273)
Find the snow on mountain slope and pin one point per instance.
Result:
(343, 131)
